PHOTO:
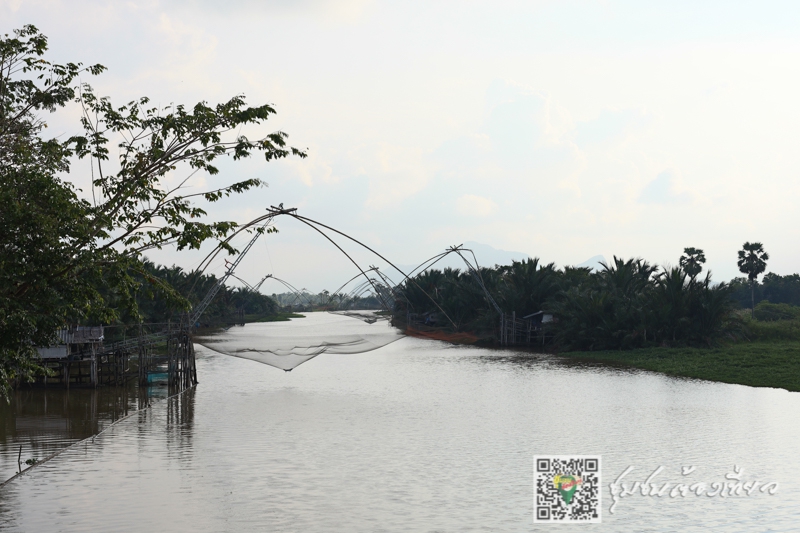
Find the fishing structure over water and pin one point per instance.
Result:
(112, 355)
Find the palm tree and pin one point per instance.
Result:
(753, 262)
(692, 261)
(527, 286)
(671, 302)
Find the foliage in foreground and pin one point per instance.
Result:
(64, 259)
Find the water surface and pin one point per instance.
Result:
(415, 436)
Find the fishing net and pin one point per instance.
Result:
(370, 317)
(286, 345)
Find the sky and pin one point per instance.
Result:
(561, 130)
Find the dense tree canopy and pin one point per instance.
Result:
(774, 288)
(153, 306)
(626, 304)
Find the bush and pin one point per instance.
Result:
(776, 330)
(769, 312)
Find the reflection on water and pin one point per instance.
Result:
(40, 421)
(416, 436)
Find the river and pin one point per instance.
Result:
(415, 436)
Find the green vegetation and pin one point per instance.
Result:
(692, 261)
(774, 322)
(631, 313)
(769, 358)
(757, 364)
(627, 304)
(753, 262)
(65, 259)
(70, 256)
(324, 300)
(774, 288)
(191, 286)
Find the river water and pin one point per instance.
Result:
(415, 436)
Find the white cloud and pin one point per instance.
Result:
(13, 5)
(394, 173)
(475, 206)
(610, 126)
(663, 190)
(313, 169)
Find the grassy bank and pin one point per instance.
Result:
(759, 363)
(214, 327)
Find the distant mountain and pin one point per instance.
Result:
(593, 263)
(487, 256)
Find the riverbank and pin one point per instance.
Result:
(756, 363)
(211, 328)
(277, 317)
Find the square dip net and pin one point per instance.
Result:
(286, 345)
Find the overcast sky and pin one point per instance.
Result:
(563, 130)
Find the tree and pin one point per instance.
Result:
(753, 262)
(692, 262)
(527, 286)
(782, 289)
(60, 255)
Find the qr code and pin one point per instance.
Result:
(566, 488)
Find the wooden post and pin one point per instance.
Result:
(194, 367)
(93, 409)
(187, 365)
(93, 367)
(169, 359)
(513, 327)
(141, 358)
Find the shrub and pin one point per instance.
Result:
(769, 312)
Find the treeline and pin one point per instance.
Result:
(625, 304)
(303, 300)
(774, 288)
(162, 293)
(155, 305)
